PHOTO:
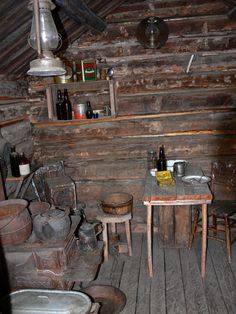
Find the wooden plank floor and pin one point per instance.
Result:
(177, 287)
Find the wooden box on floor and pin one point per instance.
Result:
(174, 225)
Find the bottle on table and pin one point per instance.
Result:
(14, 161)
(67, 112)
(24, 165)
(161, 162)
(60, 108)
(151, 160)
(89, 112)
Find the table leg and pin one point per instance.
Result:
(204, 239)
(149, 239)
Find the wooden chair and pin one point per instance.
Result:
(222, 211)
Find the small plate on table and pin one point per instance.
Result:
(194, 179)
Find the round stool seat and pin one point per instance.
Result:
(109, 218)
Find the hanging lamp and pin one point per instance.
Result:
(44, 38)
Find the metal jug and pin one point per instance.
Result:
(88, 236)
(179, 168)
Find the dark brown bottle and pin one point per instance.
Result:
(59, 106)
(24, 165)
(161, 162)
(89, 112)
(67, 108)
(14, 161)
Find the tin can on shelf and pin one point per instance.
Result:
(80, 111)
(89, 70)
(67, 77)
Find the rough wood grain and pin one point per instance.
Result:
(193, 286)
(175, 301)
(182, 220)
(224, 275)
(158, 283)
(130, 277)
(212, 288)
(143, 302)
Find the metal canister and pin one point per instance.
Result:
(80, 111)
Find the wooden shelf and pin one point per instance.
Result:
(89, 89)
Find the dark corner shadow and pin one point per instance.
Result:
(5, 288)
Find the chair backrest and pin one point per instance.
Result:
(223, 184)
(47, 171)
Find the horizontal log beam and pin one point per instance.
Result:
(137, 85)
(185, 133)
(81, 14)
(46, 124)
(13, 121)
(167, 9)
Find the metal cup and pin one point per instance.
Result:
(179, 168)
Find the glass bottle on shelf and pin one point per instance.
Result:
(89, 112)
(67, 108)
(161, 162)
(24, 165)
(60, 106)
(14, 161)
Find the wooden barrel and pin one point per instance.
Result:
(117, 203)
(15, 222)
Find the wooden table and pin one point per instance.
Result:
(178, 194)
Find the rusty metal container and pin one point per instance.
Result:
(15, 222)
(117, 203)
(111, 299)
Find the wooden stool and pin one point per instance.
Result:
(113, 220)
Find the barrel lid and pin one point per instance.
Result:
(35, 301)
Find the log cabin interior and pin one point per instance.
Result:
(159, 74)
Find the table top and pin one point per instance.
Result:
(179, 193)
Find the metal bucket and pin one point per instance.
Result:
(15, 222)
(117, 203)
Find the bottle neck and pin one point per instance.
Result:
(66, 97)
(59, 96)
(162, 153)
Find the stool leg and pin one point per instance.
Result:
(128, 235)
(113, 227)
(105, 240)
(228, 238)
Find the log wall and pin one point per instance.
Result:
(193, 114)
(16, 113)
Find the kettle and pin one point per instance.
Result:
(53, 225)
(87, 235)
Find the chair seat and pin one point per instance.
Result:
(222, 208)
